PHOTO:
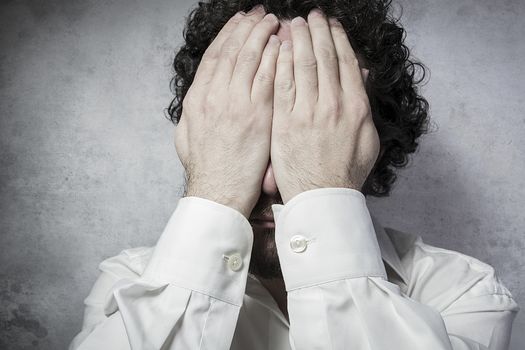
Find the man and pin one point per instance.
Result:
(272, 245)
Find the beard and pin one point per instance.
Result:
(264, 262)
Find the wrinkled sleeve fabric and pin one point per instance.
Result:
(188, 293)
(339, 296)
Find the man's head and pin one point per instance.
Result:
(400, 114)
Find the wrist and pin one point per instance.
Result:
(227, 200)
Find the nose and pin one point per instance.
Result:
(269, 186)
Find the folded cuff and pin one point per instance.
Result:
(326, 234)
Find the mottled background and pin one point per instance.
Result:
(88, 166)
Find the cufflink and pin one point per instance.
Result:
(233, 261)
(299, 243)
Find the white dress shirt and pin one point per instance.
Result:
(351, 284)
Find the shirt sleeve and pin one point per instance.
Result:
(339, 296)
(188, 294)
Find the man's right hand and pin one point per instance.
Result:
(223, 136)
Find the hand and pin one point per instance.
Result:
(323, 134)
(223, 137)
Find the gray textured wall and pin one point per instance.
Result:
(88, 166)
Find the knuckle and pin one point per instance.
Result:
(338, 30)
(327, 53)
(350, 59)
(210, 101)
(362, 107)
(267, 53)
(264, 77)
(284, 85)
(231, 46)
(251, 18)
(285, 59)
(332, 108)
(306, 63)
(248, 56)
(234, 20)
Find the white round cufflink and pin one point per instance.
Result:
(234, 261)
(299, 243)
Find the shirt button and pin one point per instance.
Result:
(298, 243)
(235, 262)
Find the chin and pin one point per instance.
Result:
(264, 261)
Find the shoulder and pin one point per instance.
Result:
(441, 277)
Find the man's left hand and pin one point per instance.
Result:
(323, 134)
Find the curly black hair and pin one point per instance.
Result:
(399, 112)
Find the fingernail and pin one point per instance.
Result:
(316, 12)
(256, 8)
(286, 45)
(270, 17)
(334, 22)
(239, 15)
(367, 72)
(298, 21)
(274, 39)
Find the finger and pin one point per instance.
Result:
(209, 59)
(325, 54)
(231, 47)
(304, 64)
(284, 85)
(349, 71)
(250, 55)
(364, 74)
(262, 89)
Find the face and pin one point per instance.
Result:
(265, 261)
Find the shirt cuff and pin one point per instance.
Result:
(326, 234)
(206, 247)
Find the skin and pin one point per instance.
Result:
(296, 116)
